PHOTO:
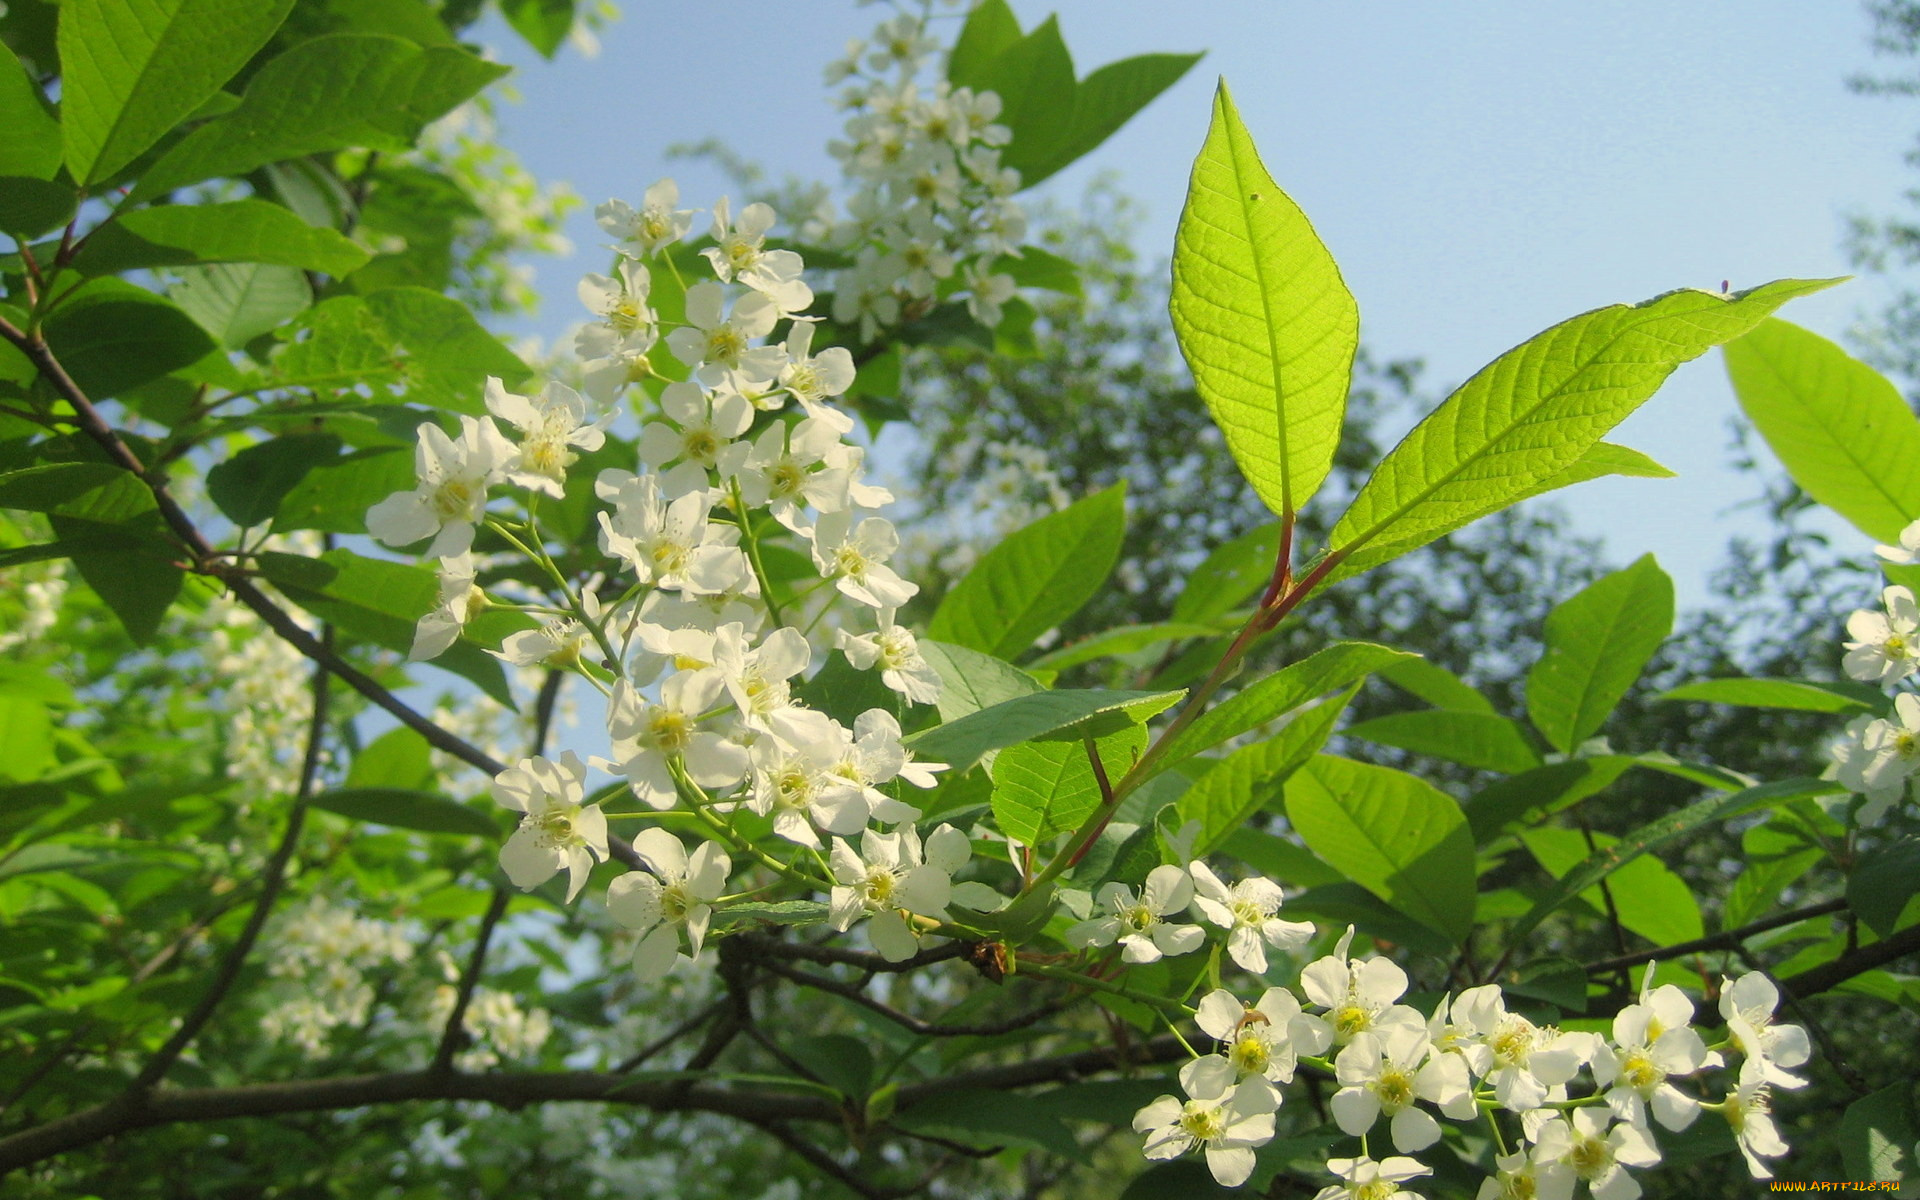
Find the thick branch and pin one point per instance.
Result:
(907, 1020)
(168, 1106)
(760, 945)
(1829, 975)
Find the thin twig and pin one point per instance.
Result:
(1727, 940)
(454, 1032)
(769, 947)
(273, 877)
(660, 1044)
(906, 1020)
(830, 1166)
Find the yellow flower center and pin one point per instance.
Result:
(669, 731)
(1349, 1020)
(1250, 1053)
(877, 889)
(1640, 1072)
(1395, 1089)
(725, 345)
(1590, 1157)
(555, 826)
(453, 498)
(1203, 1122)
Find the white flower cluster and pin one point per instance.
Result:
(1878, 757)
(41, 588)
(322, 956)
(498, 1027)
(267, 703)
(1471, 1055)
(932, 209)
(701, 714)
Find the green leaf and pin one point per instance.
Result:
(379, 602)
(402, 809)
(111, 336)
(1541, 792)
(1229, 576)
(1597, 643)
(1877, 1138)
(29, 136)
(1397, 836)
(1600, 460)
(238, 302)
(451, 353)
(335, 497)
(138, 584)
(1842, 430)
(250, 486)
(1882, 882)
(250, 231)
(1775, 856)
(1120, 640)
(1483, 740)
(1034, 78)
(1057, 715)
(841, 1062)
(1347, 903)
(1263, 317)
(990, 1118)
(991, 30)
(544, 23)
(324, 94)
(1803, 695)
(130, 70)
(1035, 579)
(1278, 859)
(1652, 901)
(780, 912)
(1250, 778)
(1108, 99)
(398, 759)
(1609, 859)
(1535, 411)
(26, 738)
(971, 681)
(843, 691)
(1328, 670)
(1035, 267)
(1045, 788)
(31, 207)
(1436, 685)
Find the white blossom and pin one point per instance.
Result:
(556, 831)
(1597, 1156)
(1246, 911)
(552, 426)
(679, 892)
(1364, 1179)
(1747, 1005)
(1265, 1038)
(1886, 645)
(890, 876)
(1139, 923)
(893, 649)
(450, 497)
(1225, 1118)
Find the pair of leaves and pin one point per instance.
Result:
(1053, 118)
(1269, 329)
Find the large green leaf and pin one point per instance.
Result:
(130, 70)
(1035, 579)
(111, 336)
(1878, 1137)
(334, 497)
(991, 29)
(1802, 695)
(1069, 715)
(378, 601)
(1041, 789)
(1034, 79)
(1108, 99)
(238, 302)
(1483, 740)
(1540, 792)
(971, 681)
(1597, 643)
(1264, 319)
(1436, 685)
(1609, 859)
(1120, 640)
(325, 94)
(138, 582)
(1651, 900)
(30, 207)
(403, 809)
(1842, 430)
(1535, 411)
(251, 231)
(1397, 836)
(1328, 670)
(544, 23)
(249, 487)
(1250, 778)
(29, 136)
(1230, 575)
(1882, 883)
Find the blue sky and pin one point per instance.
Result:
(1480, 171)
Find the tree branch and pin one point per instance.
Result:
(1727, 940)
(770, 947)
(907, 1020)
(1829, 975)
